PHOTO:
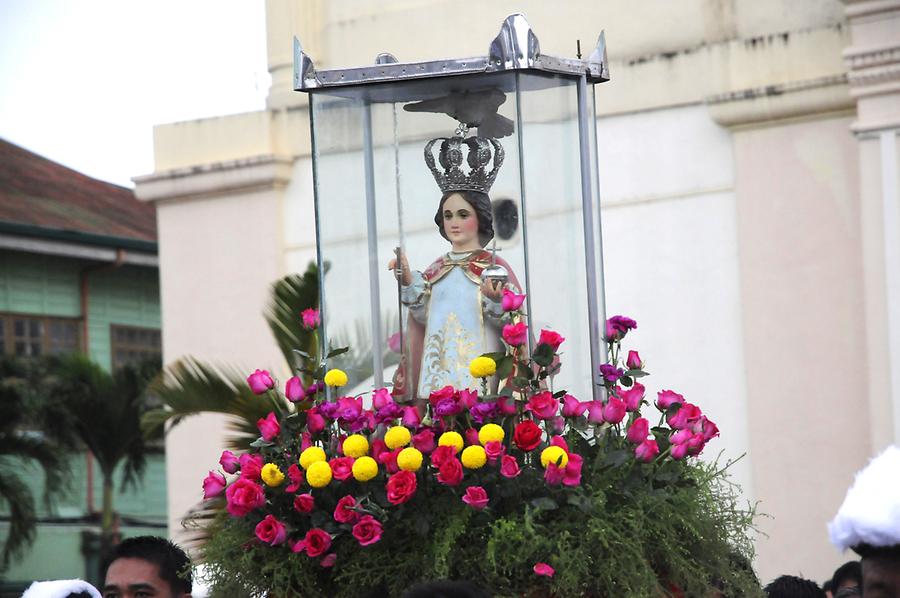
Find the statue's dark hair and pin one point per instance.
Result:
(174, 564)
(481, 203)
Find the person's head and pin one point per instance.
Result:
(465, 218)
(789, 586)
(848, 575)
(880, 571)
(445, 589)
(147, 567)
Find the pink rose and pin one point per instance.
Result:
(260, 381)
(344, 512)
(554, 474)
(633, 361)
(494, 450)
(393, 343)
(471, 436)
(450, 472)
(475, 497)
(705, 426)
(507, 406)
(411, 418)
(560, 442)
(251, 466)
(686, 415)
(310, 318)
(293, 390)
(469, 398)
(342, 468)
(647, 450)
(401, 487)
(632, 396)
(679, 451)
(515, 334)
(638, 431)
(423, 441)
(614, 410)
(315, 423)
(243, 497)
(543, 569)
(305, 441)
(367, 531)
(268, 427)
(572, 407)
(572, 470)
(548, 337)
(595, 412)
(229, 462)
(304, 503)
(511, 301)
(509, 467)
(667, 398)
(328, 560)
(681, 436)
(213, 485)
(543, 405)
(389, 460)
(381, 398)
(317, 542)
(295, 475)
(271, 531)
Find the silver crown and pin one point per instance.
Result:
(476, 152)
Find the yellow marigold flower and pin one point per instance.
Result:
(490, 433)
(311, 455)
(396, 437)
(271, 475)
(409, 459)
(356, 446)
(364, 469)
(451, 439)
(474, 457)
(335, 377)
(319, 474)
(554, 454)
(482, 367)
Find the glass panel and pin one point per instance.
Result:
(35, 327)
(21, 349)
(19, 327)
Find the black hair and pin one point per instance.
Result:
(445, 589)
(849, 571)
(174, 564)
(81, 594)
(789, 586)
(481, 204)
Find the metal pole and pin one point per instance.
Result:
(372, 236)
(601, 281)
(320, 262)
(587, 212)
(521, 145)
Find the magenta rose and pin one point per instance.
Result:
(423, 441)
(471, 436)
(572, 470)
(328, 560)
(367, 531)
(229, 462)
(632, 396)
(268, 427)
(393, 343)
(527, 435)
(679, 451)
(213, 485)
(293, 390)
(260, 381)
(618, 326)
(345, 511)
(450, 472)
(317, 542)
(410, 418)
(548, 337)
(243, 497)
(647, 450)
(271, 531)
(506, 406)
(310, 318)
(494, 450)
(554, 474)
(610, 372)
(251, 466)
(509, 467)
(515, 334)
(638, 431)
(295, 475)
(315, 422)
(633, 361)
(468, 398)
(706, 427)
(476, 497)
(304, 503)
(448, 392)
(543, 405)
(614, 410)
(572, 407)
(667, 398)
(686, 415)
(511, 301)
(401, 487)
(595, 412)
(389, 460)
(381, 397)
(543, 569)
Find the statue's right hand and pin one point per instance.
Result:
(402, 273)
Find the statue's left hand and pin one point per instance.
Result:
(492, 289)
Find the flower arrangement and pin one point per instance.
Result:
(527, 490)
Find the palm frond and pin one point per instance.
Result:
(20, 503)
(35, 447)
(290, 296)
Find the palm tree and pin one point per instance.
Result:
(21, 445)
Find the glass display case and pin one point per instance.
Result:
(516, 117)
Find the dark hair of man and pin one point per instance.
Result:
(82, 594)
(849, 571)
(174, 565)
(790, 586)
(481, 204)
(445, 589)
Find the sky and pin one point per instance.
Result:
(82, 82)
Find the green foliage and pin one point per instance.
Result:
(290, 296)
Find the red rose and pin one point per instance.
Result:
(295, 474)
(243, 497)
(527, 435)
(389, 460)
(401, 487)
(316, 542)
(548, 337)
(344, 512)
(367, 531)
(448, 392)
(442, 454)
(450, 472)
(304, 503)
(341, 468)
(251, 466)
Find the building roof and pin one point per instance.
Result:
(39, 197)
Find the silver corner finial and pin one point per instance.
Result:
(386, 58)
(597, 60)
(516, 46)
(304, 69)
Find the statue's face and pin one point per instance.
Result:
(460, 223)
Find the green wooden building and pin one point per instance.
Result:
(78, 272)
